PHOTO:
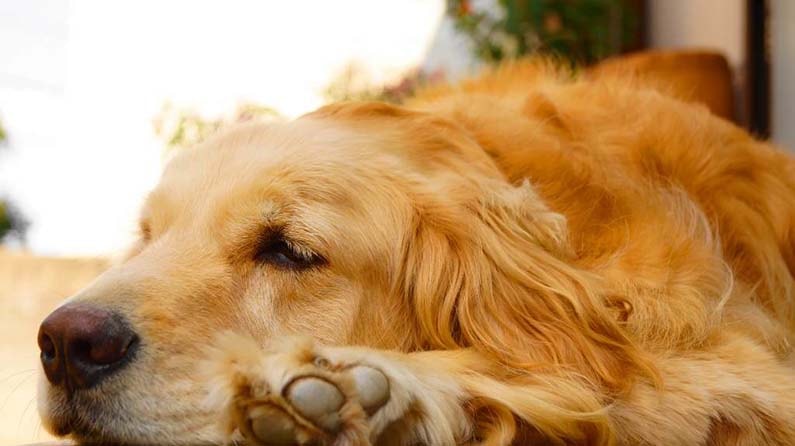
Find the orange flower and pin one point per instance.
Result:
(464, 8)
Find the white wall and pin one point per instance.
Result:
(714, 24)
(81, 80)
(720, 24)
(782, 34)
(704, 24)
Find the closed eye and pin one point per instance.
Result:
(275, 249)
(145, 231)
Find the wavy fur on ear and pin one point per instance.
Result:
(487, 265)
(494, 277)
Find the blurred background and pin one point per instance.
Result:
(95, 94)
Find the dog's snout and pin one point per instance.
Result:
(81, 344)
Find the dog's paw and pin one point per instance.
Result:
(291, 393)
(310, 408)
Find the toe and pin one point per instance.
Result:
(372, 386)
(317, 400)
(272, 426)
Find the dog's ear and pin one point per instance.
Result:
(486, 264)
(496, 274)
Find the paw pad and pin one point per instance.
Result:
(271, 425)
(317, 400)
(372, 386)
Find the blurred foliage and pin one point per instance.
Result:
(581, 31)
(354, 84)
(12, 224)
(181, 128)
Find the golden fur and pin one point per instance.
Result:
(587, 260)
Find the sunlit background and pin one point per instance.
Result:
(81, 82)
(95, 93)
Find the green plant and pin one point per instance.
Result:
(354, 84)
(180, 128)
(12, 223)
(581, 31)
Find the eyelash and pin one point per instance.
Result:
(277, 250)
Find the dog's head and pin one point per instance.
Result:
(357, 224)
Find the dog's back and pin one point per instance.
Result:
(662, 198)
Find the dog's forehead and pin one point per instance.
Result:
(307, 160)
(303, 150)
(319, 181)
(264, 144)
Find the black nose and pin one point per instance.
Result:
(81, 344)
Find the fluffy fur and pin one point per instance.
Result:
(603, 264)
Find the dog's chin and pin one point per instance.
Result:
(68, 420)
(76, 423)
(83, 431)
(77, 429)
(86, 420)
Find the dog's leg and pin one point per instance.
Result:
(735, 393)
(297, 392)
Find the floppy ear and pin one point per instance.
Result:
(497, 275)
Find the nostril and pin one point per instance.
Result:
(47, 347)
(50, 359)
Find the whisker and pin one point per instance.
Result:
(39, 428)
(36, 429)
(22, 416)
(11, 393)
(16, 374)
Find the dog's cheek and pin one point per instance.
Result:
(324, 308)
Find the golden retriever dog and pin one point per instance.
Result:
(528, 257)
